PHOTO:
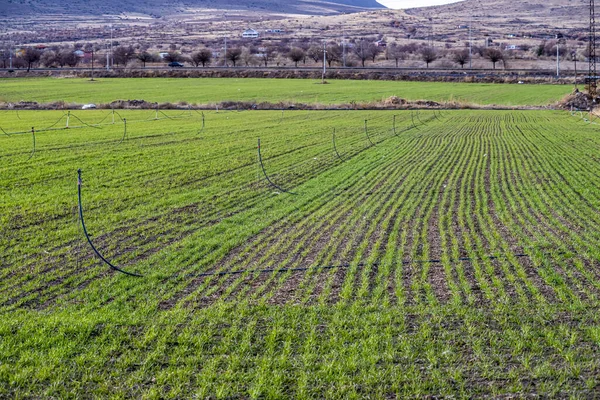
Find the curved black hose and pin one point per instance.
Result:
(394, 126)
(17, 111)
(203, 124)
(335, 148)
(124, 130)
(367, 133)
(85, 123)
(54, 124)
(3, 131)
(419, 118)
(265, 172)
(118, 115)
(33, 151)
(412, 118)
(79, 184)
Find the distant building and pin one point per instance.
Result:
(381, 43)
(250, 34)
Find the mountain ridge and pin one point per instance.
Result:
(158, 8)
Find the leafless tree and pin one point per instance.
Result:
(203, 56)
(248, 57)
(361, 50)
(428, 54)
(234, 55)
(494, 55)
(395, 52)
(145, 57)
(68, 58)
(172, 57)
(461, 57)
(123, 54)
(315, 52)
(334, 53)
(296, 54)
(266, 55)
(31, 56)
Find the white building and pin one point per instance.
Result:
(250, 34)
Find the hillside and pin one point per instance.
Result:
(531, 16)
(29, 8)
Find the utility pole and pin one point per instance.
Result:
(107, 59)
(574, 56)
(92, 64)
(558, 35)
(324, 60)
(112, 60)
(470, 43)
(592, 82)
(225, 55)
(344, 50)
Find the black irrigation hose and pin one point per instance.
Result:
(265, 172)
(367, 133)
(335, 148)
(3, 131)
(394, 126)
(118, 115)
(412, 118)
(419, 118)
(87, 236)
(203, 124)
(344, 266)
(53, 125)
(18, 116)
(84, 123)
(33, 151)
(124, 130)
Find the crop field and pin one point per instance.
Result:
(359, 254)
(204, 91)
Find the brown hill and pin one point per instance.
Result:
(155, 8)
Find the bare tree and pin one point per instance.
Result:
(494, 55)
(248, 57)
(334, 53)
(429, 55)
(234, 55)
(4, 56)
(266, 55)
(68, 58)
(296, 54)
(461, 57)
(204, 57)
(145, 57)
(395, 53)
(361, 50)
(315, 52)
(172, 57)
(49, 59)
(31, 56)
(123, 54)
(374, 51)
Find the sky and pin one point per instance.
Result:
(414, 3)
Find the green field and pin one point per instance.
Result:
(457, 256)
(207, 91)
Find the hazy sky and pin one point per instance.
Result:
(414, 3)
